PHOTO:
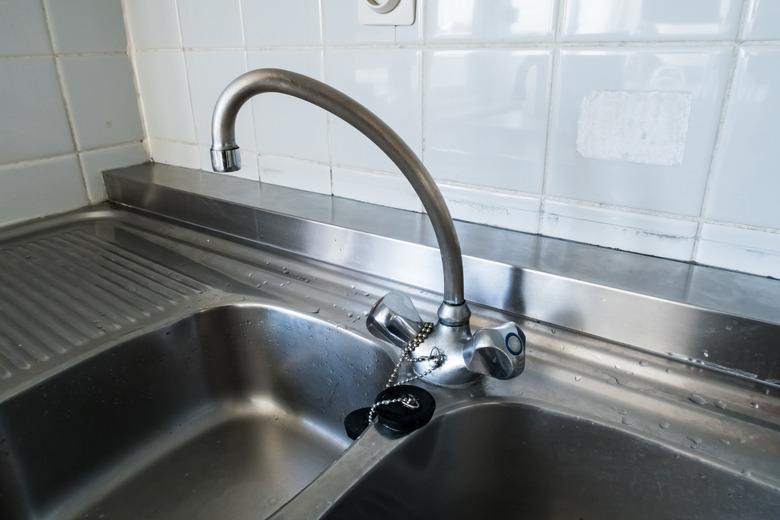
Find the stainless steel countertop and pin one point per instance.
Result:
(708, 317)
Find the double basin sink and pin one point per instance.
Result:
(232, 407)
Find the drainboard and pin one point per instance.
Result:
(225, 414)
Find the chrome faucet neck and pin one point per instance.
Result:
(461, 356)
(225, 154)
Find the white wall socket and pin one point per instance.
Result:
(386, 12)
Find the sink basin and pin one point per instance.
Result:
(225, 414)
(501, 460)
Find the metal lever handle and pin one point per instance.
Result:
(395, 319)
(497, 352)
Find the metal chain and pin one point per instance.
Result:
(438, 358)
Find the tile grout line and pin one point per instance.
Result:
(245, 54)
(467, 45)
(68, 110)
(131, 54)
(187, 78)
(551, 85)
(719, 132)
(324, 67)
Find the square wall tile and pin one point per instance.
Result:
(610, 227)
(762, 20)
(489, 21)
(165, 95)
(747, 250)
(95, 162)
(87, 25)
(485, 116)
(206, 24)
(102, 100)
(636, 126)
(34, 122)
(154, 24)
(39, 188)
(209, 72)
(385, 189)
(643, 20)
(176, 154)
(387, 82)
(23, 28)
(342, 27)
(745, 185)
(291, 22)
(294, 173)
(287, 126)
(504, 210)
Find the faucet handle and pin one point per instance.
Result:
(497, 351)
(394, 318)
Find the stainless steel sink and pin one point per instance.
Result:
(225, 414)
(151, 370)
(502, 460)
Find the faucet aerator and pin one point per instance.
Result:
(226, 160)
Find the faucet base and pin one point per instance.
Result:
(449, 341)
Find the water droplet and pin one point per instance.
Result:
(697, 399)
(726, 442)
(754, 405)
(627, 420)
(315, 310)
(577, 378)
(695, 442)
(664, 425)
(720, 404)
(350, 314)
(706, 353)
(643, 363)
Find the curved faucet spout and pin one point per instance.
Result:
(225, 156)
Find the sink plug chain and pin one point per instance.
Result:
(436, 356)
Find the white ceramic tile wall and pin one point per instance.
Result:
(644, 125)
(68, 102)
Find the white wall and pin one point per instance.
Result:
(68, 104)
(645, 125)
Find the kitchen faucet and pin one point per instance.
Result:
(461, 356)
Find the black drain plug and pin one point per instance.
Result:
(409, 408)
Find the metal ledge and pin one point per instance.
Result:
(709, 317)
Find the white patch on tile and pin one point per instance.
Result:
(644, 127)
